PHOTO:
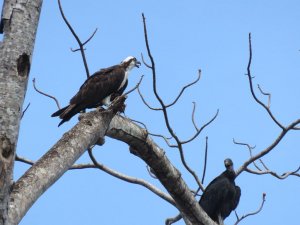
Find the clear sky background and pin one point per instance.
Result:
(184, 36)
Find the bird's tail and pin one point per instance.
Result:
(59, 112)
(220, 220)
(65, 113)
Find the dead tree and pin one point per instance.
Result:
(19, 23)
(16, 199)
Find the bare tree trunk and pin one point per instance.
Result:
(19, 24)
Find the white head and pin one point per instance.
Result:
(130, 62)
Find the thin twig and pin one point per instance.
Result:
(146, 64)
(193, 116)
(250, 151)
(24, 111)
(43, 93)
(132, 180)
(205, 160)
(267, 94)
(251, 87)
(81, 45)
(135, 87)
(199, 130)
(253, 213)
(74, 167)
(269, 148)
(164, 109)
(146, 103)
(166, 139)
(76, 50)
(183, 89)
(90, 38)
(274, 174)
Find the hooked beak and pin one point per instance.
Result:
(137, 64)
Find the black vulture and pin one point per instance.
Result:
(221, 196)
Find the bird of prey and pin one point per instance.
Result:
(221, 196)
(99, 89)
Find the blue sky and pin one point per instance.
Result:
(184, 37)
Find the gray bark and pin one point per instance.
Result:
(144, 147)
(67, 150)
(19, 24)
(56, 162)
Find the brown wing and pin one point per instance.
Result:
(100, 85)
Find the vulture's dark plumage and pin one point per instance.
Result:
(99, 89)
(221, 196)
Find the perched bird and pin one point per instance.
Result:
(221, 196)
(99, 89)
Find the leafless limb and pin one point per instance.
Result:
(81, 45)
(179, 143)
(74, 167)
(202, 128)
(24, 111)
(193, 116)
(166, 139)
(285, 129)
(90, 38)
(267, 94)
(250, 148)
(184, 88)
(205, 160)
(135, 87)
(269, 148)
(281, 177)
(132, 180)
(76, 50)
(253, 213)
(176, 99)
(146, 64)
(251, 87)
(146, 103)
(43, 93)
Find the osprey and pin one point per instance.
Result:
(221, 196)
(99, 89)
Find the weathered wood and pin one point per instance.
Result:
(144, 147)
(56, 162)
(19, 24)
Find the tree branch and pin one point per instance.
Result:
(74, 167)
(165, 113)
(267, 94)
(281, 177)
(270, 148)
(251, 87)
(253, 213)
(249, 149)
(183, 89)
(81, 45)
(205, 160)
(24, 111)
(45, 94)
(129, 179)
(143, 146)
(56, 162)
